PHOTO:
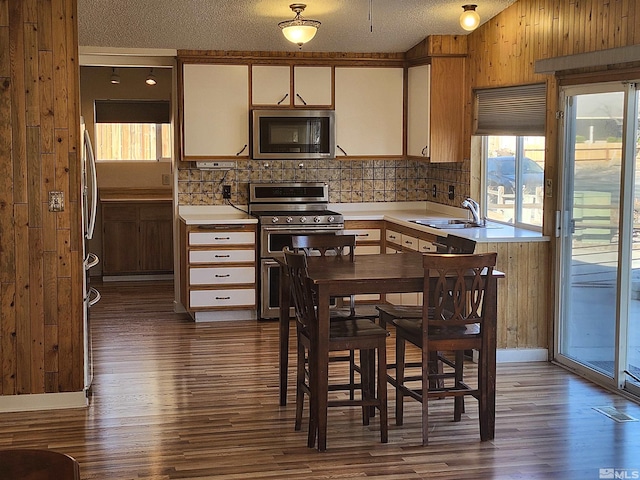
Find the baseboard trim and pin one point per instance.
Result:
(515, 355)
(226, 315)
(43, 401)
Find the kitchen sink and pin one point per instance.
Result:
(447, 224)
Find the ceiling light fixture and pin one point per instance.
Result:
(299, 30)
(469, 19)
(115, 78)
(151, 78)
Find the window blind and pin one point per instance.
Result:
(133, 111)
(517, 110)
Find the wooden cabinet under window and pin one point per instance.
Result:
(137, 238)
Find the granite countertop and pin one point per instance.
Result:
(400, 213)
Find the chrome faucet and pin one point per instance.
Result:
(473, 206)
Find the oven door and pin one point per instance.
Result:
(270, 289)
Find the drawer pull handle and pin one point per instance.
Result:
(362, 235)
(392, 237)
(223, 256)
(223, 276)
(408, 242)
(223, 298)
(222, 238)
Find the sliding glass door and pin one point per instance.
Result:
(599, 314)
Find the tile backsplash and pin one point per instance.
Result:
(350, 181)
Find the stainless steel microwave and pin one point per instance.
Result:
(293, 134)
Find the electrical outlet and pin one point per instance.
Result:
(166, 179)
(56, 201)
(434, 191)
(452, 192)
(226, 191)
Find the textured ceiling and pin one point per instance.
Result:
(252, 24)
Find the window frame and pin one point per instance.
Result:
(518, 199)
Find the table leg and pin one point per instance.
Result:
(284, 297)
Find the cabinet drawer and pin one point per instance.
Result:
(222, 238)
(221, 275)
(222, 256)
(409, 242)
(426, 246)
(367, 249)
(365, 234)
(393, 237)
(245, 297)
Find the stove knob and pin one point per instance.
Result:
(331, 218)
(289, 219)
(303, 219)
(274, 219)
(317, 219)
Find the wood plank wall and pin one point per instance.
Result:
(41, 346)
(503, 52)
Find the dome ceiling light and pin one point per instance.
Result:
(469, 19)
(299, 30)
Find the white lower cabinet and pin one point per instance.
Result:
(219, 278)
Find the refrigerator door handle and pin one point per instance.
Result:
(96, 298)
(91, 261)
(91, 166)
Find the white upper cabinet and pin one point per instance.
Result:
(215, 111)
(312, 86)
(271, 86)
(369, 113)
(418, 111)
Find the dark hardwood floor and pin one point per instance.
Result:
(177, 400)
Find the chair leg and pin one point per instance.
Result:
(382, 393)
(458, 408)
(365, 383)
(352, 374)
(313, 403)
(300, 379)
(400, 354)
(425, 395)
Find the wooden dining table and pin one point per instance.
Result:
(367, 274)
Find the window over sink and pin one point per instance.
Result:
(513, 179)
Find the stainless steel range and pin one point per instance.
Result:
(283, 210)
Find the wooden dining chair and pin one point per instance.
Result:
(344, 334)
(456, 291)
(34, 464)
(343, 246)
(388, 313)
(444, 244)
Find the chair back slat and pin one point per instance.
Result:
(455, 244)
(325, 244)
(301, 288)
(455, 289)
